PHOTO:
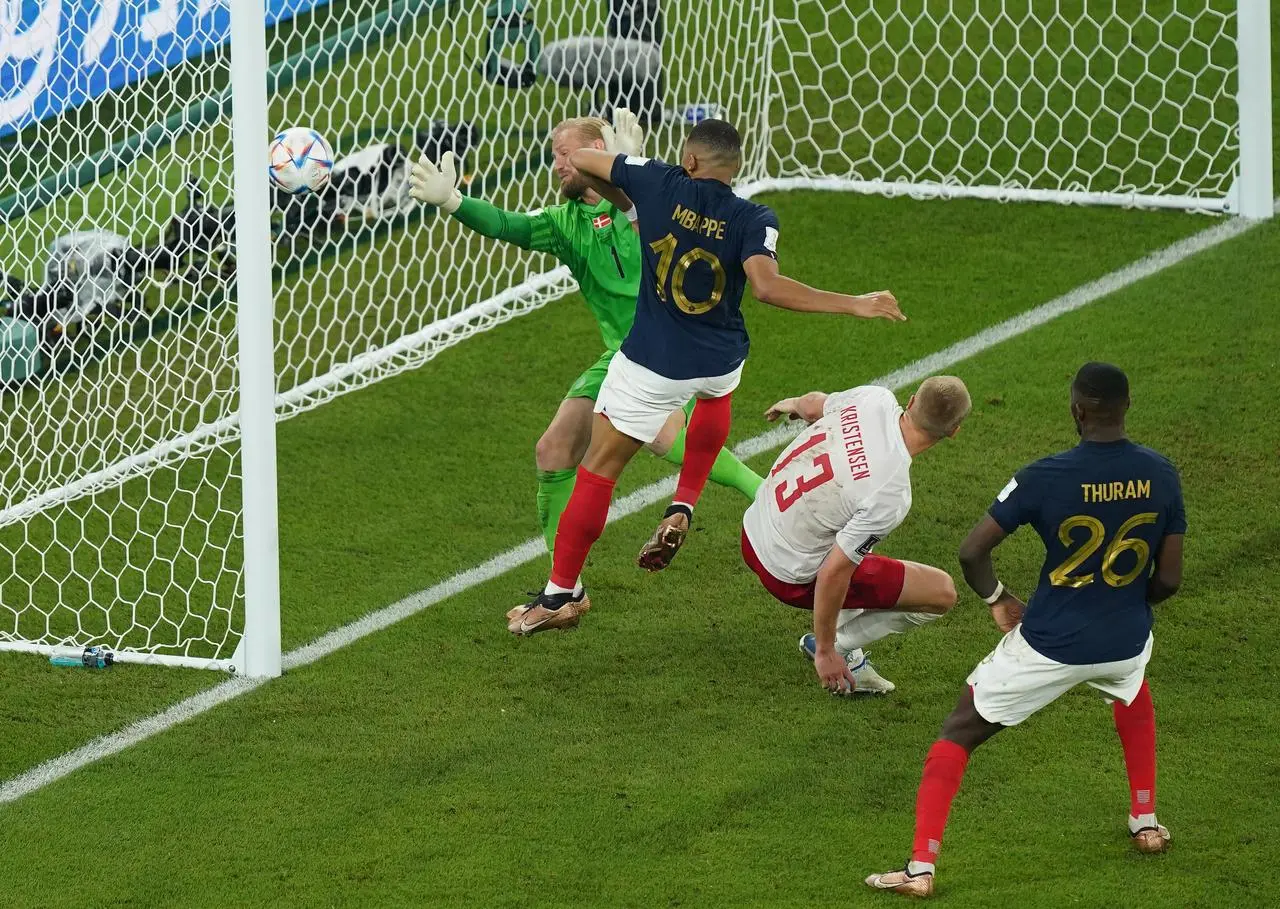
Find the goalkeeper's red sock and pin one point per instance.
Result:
(1137, 727)
(943, 771)
(708, 430)
(580, 526)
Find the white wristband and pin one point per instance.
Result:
(632, 215)
(997, 594)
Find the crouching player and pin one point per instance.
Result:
(834, 493)
(1105, 510)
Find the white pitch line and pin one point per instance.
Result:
(55, 769)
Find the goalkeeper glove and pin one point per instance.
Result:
(436, 186)
(625, 137)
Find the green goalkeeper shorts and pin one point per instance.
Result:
(588, 384)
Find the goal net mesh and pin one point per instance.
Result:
(120, 494)
(1011, 99)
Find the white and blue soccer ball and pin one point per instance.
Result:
(300, 161)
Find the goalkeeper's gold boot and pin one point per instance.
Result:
(666, 540)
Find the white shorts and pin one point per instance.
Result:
(638, 401)
(1015, 680)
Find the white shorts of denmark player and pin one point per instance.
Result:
(1015, 680)
(638, 401)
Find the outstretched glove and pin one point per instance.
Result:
(625, 137)
(436, 186)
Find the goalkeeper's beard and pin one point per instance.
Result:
(574, 188)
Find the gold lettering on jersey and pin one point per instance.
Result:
(853, 448)
(691, 220)
(1116, 491)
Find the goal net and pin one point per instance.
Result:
(1081, 101)
(122, 464)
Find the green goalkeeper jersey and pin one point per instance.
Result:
(595, 241)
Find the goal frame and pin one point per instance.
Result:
(261, 406)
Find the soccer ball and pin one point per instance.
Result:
(300, 161)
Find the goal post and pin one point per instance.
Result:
(1255, 198)
(259, 650)
(161, 311)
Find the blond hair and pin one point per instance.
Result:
(590, 129)
(940, 406)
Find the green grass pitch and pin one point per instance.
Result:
(676, 750)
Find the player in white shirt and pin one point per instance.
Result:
(833, 494)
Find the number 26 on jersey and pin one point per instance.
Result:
(1095, 536)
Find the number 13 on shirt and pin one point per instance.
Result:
(806, 482)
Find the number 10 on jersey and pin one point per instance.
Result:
(666, 251)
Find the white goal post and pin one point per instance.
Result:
(161, 312)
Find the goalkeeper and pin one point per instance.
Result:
(594, 239)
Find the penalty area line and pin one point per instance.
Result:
(105, 746)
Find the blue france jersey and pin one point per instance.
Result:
(694, 237)
(1102, 509)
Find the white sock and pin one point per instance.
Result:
(1145, 820)
(553, 589)
(919, 868)
(870, 625)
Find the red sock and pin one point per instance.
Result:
(708, 430)
(1137, 727)
(943, 770)
(580, 526)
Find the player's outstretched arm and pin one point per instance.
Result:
(776, 289)
(828, 597)
(806, 407)
(437, 185)
(594, 162)
(980, 573)
(1167, 577)
(616, 197)
(596, 165)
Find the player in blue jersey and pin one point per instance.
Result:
(1111, 517)
(700, 245)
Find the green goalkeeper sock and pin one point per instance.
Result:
(726, 471)
(554, 489)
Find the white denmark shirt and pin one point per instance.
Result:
(844, 481)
